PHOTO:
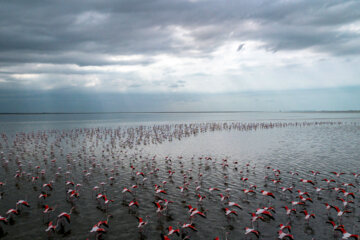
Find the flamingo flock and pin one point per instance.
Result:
(100, 183)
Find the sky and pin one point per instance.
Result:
(179, 55)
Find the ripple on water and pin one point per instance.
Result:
(322, 148)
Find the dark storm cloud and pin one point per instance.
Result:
(78, 44)
(146, 27)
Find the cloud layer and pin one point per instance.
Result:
(162, 46)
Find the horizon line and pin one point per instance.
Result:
(162, 112)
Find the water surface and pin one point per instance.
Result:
(100, 145)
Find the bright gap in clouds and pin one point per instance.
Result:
(226, 69)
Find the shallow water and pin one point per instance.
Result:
(30, 122)
(324, 148)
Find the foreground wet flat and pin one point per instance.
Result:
(230, 157)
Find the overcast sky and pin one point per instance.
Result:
(172, 55)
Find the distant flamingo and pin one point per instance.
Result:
(253, 231)
(337, 174)
(142, 223)
(172, 231)
(307, 215)
(347, 235)
(339, 212)
(190, 226)
(289, 211)
(228, 212)
(283, 235)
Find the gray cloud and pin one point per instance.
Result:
(77, 58)
(58, 35)
(138, 27)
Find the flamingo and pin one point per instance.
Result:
(303, 193)
(337, 189)
(188, 225)
(213, 189)
(346, 194)
(222, 197)
(293, 173)
(282, 227)
(303, 199)
(105, 223)
(196, 211)
(126, 190)
(10, 215)
(337, 174)
(347, 235)
(228, 212)
(339, 212)
(266, 193)
(164, 237)
(233, 204)
(182, 189)
(166, 202)
(348, 185)
(335, 226)
(246, 191)
(105, 201)
(160, 191)
(289, 211)
(255, 217)
(47, 187)
(172, 231)
(289, 189)
(140, 174)
(43, 196)
(327, 206)
(264, 212)
(356, 175)
(159, 208)
(201, 198)
(21, 203)
(171, 173)
(3, 220)
(190, 208)
(345, 203)
(307, 181)
(275, 181)
(328, 181)
(47, 211)
(98, 231)
(317, 189)
(63, 219)
(295, 203)
(51, 228)
(134, 203)
(314, 173)
(283, 235)
(142, 223)
(253, 231)
(307, 215)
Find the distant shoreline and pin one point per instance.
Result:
(166, 112)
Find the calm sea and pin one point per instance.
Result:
(323, 148)
(30, 122)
